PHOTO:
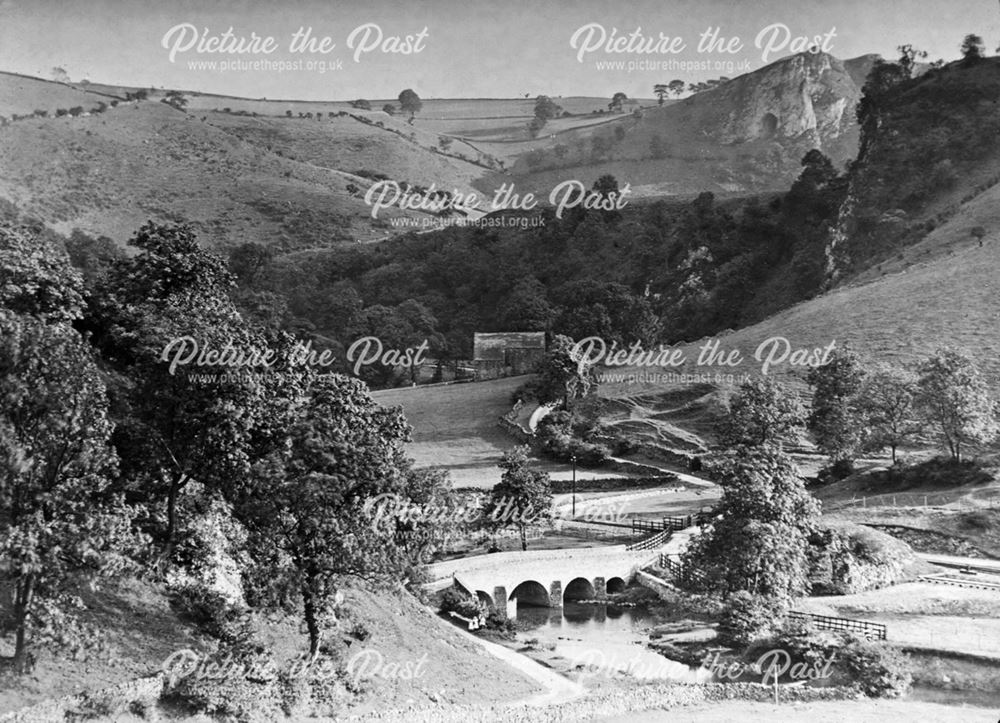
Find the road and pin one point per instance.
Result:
(973, 563)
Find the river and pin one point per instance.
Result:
(605, 638)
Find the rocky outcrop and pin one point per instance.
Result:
(807, 98)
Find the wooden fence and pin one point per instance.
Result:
(671, 523)
(870, 630)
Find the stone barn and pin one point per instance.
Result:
(504, 354)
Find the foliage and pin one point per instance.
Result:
(915, 133)
(668, 271)
(59, 523)
(762, 413)
(747, 617)
(453, 600)
(36, 278)
(173, 428)
(557, 437)
(837, 419)
(409, 102)
(304, 505)
(973, 48)
(954, 397)
(758, 541)
(879, 669)
(522, 497)
(562, 377)
(888, 397)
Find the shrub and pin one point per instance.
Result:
(879, 669)
(746, 618)
(212, 612)
(556, 435)
(453, 600)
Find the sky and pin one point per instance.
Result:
(458, 48)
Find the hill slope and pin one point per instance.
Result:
(746, 134)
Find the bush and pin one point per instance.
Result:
(878, 669)
(556, 435)
(746, 618)
(453, 600)
(233, 695)
(212, 612)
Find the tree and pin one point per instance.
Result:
(761, 414)
(308, 505)
(521, 498)
(409, 102)
(389, 109)
(361, 104)
(908, 56)
(660, 90)
(59, 526)
(882, 78)
(525, 308)
(953, 397)
(973, 49)
(562, 376)
(545, 110)
(175, 99)
(617, 101)
(174, 429)
(888, 398)
(758, 541)
(606, 185)
(837, 417)
(676, 87)
(35, 278)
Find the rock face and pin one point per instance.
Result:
(807, 99)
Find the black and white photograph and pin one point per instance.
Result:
(463, 361)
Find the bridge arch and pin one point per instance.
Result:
(579, 588)
(485, 598)
(615, 585)
(531, 593)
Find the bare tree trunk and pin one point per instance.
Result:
(524, 539)
(173, 492)
(24, 593)
(312, 618)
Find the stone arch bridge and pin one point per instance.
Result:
(542, 577)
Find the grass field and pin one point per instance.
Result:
(455, 426)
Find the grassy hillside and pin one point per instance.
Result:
(109, 172)
(22, 95)
(140, 629)
(943, 291)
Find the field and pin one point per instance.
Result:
(455, 426)
(22, 95)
